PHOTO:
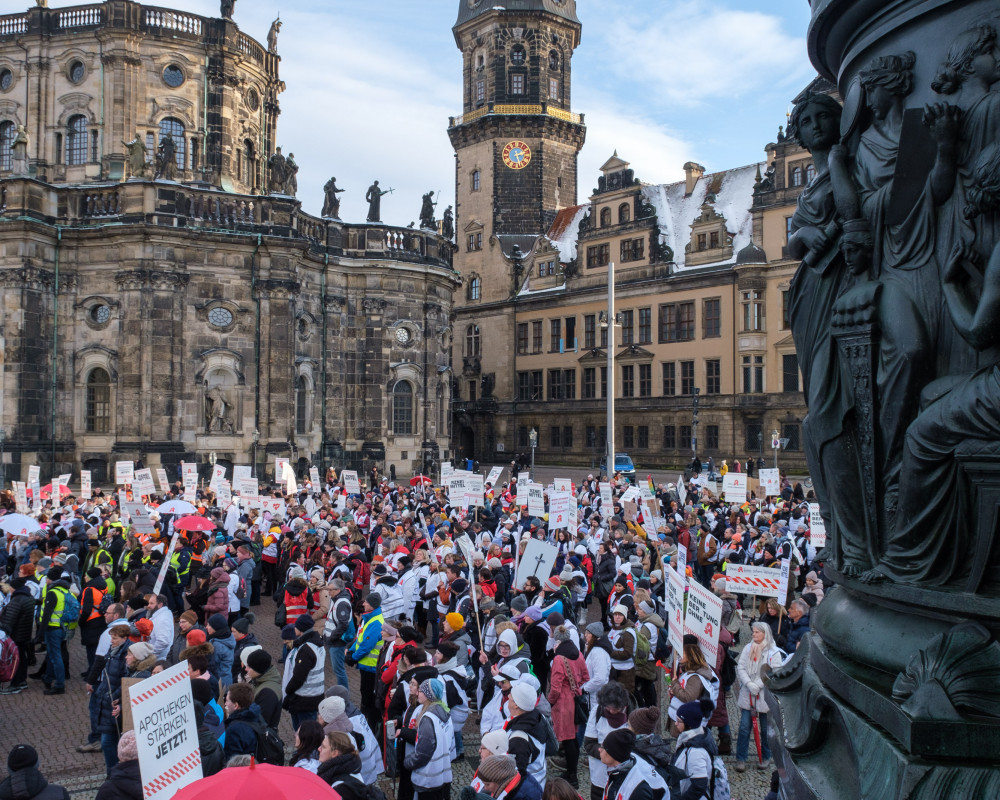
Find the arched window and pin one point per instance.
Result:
(796, 176)
(249, 165)
(472, 340)
(402, 408)
(624, 213)
(7, 134)
(475, 287)
(301, 404)
(174, 128)
(605, 217)
(810, 173)
(76, 140)
(98, 410)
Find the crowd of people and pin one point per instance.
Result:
(430, 603)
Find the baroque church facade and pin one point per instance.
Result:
(164, 296)
(703, 355)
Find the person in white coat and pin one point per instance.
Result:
(598, 660)
(609, 713)
(761, 652)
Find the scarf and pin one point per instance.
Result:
(615, 720)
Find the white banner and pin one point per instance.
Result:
(539, 558)
(495, 473)
(166, 735)
(446, 470)
(351, 482)
(747, 579)
(141, 523)
(817, 528)
(562, 485)
(276, 505)
(734, 485)
(675, 611)
(703, 619)
(770, 482)
(536, 499)
(143, 482)
(474, 491)
(562, 510)
(34, 474)
(85, 487)
(124, 471)
(607, 501)
(161, 477)
(279, 468)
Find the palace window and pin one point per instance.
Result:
(7, 134)
(475, 287)
(522, 338)
(687, 377)
(98, 406)
(713, 376)
(628, 381)
(753, 311)
(790, 373)
(76, 140)
(605, 217)
(753, 374)
(517, 84)
(712, 318)
(472, 340)
(645, 380)
(301, 395)
(174, 128)
(402, 408)
(669, 379)
(624, 213)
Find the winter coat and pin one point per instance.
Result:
(90, 631)
(798, 630)
(212, 757)
(780, 626)
(247, 641)
(241, 736)
(180, 644)
(607, 571)
(109, 688)
(225, 646)
(561, 695)
(267, 695)
(30, 784)
(339, 771)
(123, 783)
(748, 670)
(18, 615)
(218, 596)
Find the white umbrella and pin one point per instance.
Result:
(176, 507)
(19, 524)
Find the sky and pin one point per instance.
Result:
(371, 84)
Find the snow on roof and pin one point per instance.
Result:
(565, 230)
(733, 200)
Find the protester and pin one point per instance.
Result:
(759, 654)
(25, 781)
(124, 781)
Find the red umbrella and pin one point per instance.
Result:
(193, 522)
(755, 719)
(46, 491)
(420, 479)
(259, 782)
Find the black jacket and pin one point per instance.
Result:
(524, 750)
(338, 771)
(212, 757)
(18, 615)
(123, 783)
(30, 784)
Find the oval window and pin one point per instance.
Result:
(173, 76)
(220, 317)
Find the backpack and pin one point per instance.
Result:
(727, 675)
(270, 748)
(106, 602)
(718, 784)
(71, 609)
(662, 651)
(642, 645)
(241, 589)
(10, 658)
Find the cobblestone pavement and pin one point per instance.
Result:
(56, 725)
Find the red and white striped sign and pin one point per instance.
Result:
(745, 579)
(165, 732)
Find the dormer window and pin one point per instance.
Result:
(605, 217)
(624, 213)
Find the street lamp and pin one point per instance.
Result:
(255, 439)
(776, 445)
(533, 441)
(3, 467)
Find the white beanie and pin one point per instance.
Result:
(331, 708)
(496, 742)
(524, 697)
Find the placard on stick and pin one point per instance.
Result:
(703, 619)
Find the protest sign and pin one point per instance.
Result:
(223, 494)
(34, 474)
(21, 497)
(351, 482)
(770, 482)
(241, 471)
(127, 684)
(246, 486)
(122, 500)
(446, 470)
(713, 488)
(562, 485)
(817, 528)
(703, 619)
(538, 559)
(495, 473)
(607, 501)
(734, 485)
(218, 473)
(783, 587)
(631, 511)
(536, 499)
(631, 494)
(314, 478)
(675, 611)
(474, 490)
(124, 471)
(166, 735)
(36, 496)
(288, 476)
(682, 492)
(747, 579)
(561, 511)
(161, 478)
(85, 488)
(141, 523)
(143, 483)
(456, 489)
(682, 558)
(276, 505)
(279, 468)
(190, 492)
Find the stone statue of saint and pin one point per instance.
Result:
(331, 203)
(19, 151)
(226, 8)
(166, 159)
(427, 220)
(272, 36)
(448, 224)
(279, 171)
(291, 176)
(374, 199)
(218, 412)
(137, 152)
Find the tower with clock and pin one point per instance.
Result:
(517, 139)
(516, 145)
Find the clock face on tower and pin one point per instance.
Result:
(516, 155)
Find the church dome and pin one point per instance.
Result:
(751, 254)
